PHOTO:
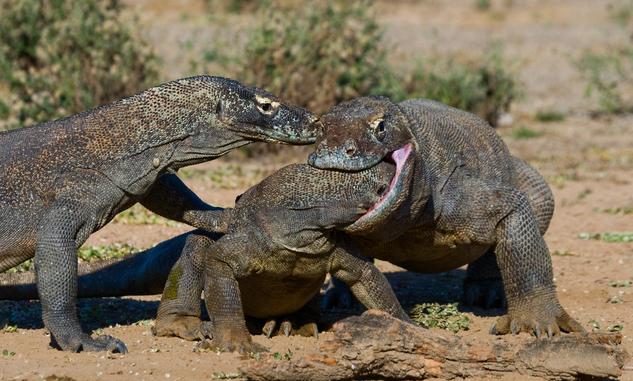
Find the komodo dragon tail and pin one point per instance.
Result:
(142, 273)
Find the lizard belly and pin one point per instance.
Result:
(428, 252)
(264, 296)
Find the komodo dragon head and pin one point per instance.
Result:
(361, 133)
(248, 112)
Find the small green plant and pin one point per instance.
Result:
(225, 376)
(524, 132)
(233, 6)
(88, 254)
(434, 315)
(95, 253)
(285, 356)
(618, 327)
(138, 215)
(7, 353)
(60, 57)
(608, 236)
(482, 5)
(621, 210)
(547, 116)
(621, 13)
(564, 253)
(620, 283)
(615, 299)
(9, 328)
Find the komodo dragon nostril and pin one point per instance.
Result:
(382, 189)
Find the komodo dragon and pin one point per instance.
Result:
(464, 199)
(63, 180)
(283, 237)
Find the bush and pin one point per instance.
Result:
(233, 6)
(60, 57)
(329, 51)
(485, 88)
(608, 77)
(316, 55)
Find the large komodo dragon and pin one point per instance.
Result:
(61, 181)
(284, 235)
(465, 200)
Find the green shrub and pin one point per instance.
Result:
(484, 87)
(322, 53)
(60, 57)
(316, 55)
(524, 132)
(547, 116)
(482, 5)
(608, 76)
(434, 315)
(234, 6)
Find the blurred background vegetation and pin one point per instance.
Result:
(60, 57)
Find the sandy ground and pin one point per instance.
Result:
(589, 163)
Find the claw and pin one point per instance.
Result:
(537, 330)
(286, 328)
(515, 328)
(269, 328)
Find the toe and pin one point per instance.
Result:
(286, 328)
(502, 326)
(269, 328)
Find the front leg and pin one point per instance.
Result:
(62, 231)
(526, 269)
(227, 328)
(172, 199)
(367, 283)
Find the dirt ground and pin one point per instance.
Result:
(588, 162)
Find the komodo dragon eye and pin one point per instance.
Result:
(266, 106)
(378, 126)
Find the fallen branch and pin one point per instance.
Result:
(377, 346)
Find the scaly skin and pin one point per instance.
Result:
(281, 241)
(284, 235)
(63, 180)
(463, 196)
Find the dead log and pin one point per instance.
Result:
(377, 346)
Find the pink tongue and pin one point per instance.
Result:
(399, 157)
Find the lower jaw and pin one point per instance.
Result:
(380, 213)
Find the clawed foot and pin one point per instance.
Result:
(85, 343)
(536, 322)
(186, 327)
(286, 328)
(227, 339)
(486, 293)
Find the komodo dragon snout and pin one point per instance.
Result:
(257, 114)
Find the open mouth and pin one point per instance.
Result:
(389, 196)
